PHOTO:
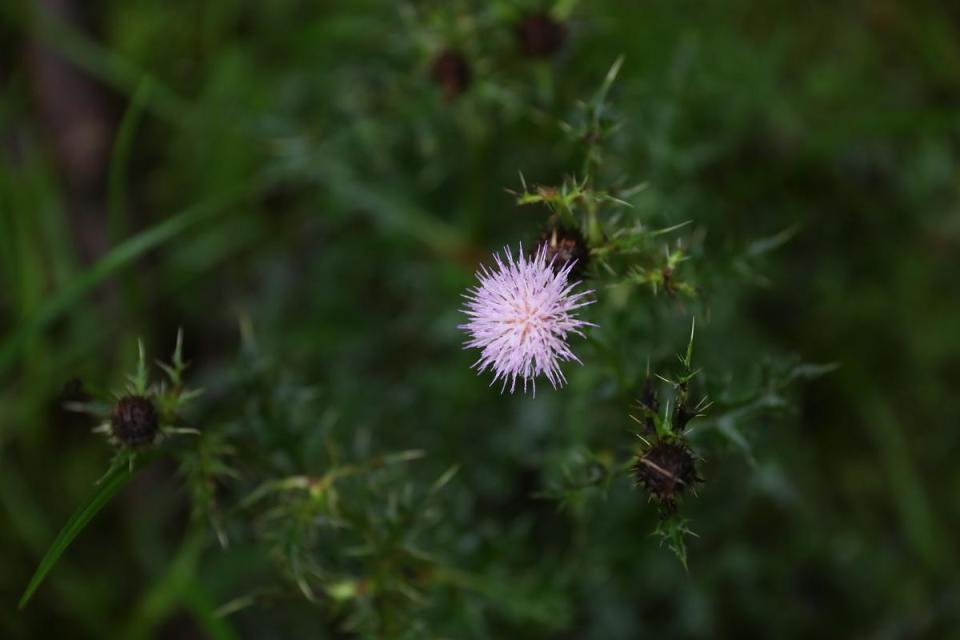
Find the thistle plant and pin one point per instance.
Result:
(350, 470)
(521, 322)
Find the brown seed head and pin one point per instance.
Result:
(133, 421)
(666, 471)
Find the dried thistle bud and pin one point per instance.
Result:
(540, 36)
(666, 470)
(134, 421)
(565, 245)
(451, 71)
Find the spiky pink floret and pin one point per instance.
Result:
(520, 316)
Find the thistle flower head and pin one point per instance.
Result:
(134, 421)
(520, 315)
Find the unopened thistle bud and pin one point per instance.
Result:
(540, 36)
(134, 421)
(451, 71)
(565, 246)
(666, 470)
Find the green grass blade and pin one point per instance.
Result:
(108, 487)
(115, 260)
(119, 160)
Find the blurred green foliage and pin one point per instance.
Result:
(285, 181)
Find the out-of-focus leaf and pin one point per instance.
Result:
(106, 489)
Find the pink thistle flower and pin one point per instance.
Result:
(519, 316)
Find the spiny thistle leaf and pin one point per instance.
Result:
(672, 532)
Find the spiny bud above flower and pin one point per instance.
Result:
(666, 470)
(452, 72)
(566, 245)
(134, 421)
(520, 316)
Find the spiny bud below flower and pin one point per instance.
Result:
(540, 36)
(565, 245)
(452, 72)
(133, 421)
(666, 470)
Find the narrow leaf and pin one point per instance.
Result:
(116, 260)
(106, 489)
